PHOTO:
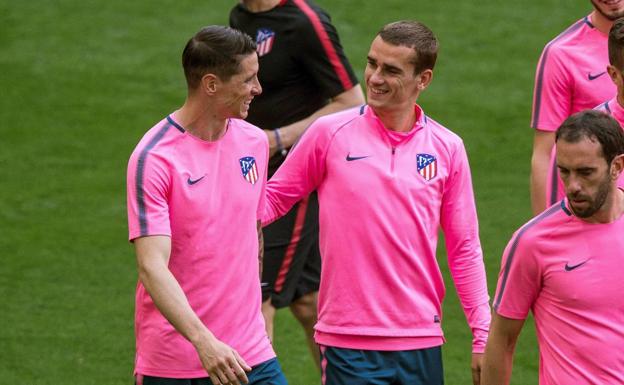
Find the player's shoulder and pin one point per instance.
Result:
(305, 13)
(443, 134)
(159, 136)
(336, 121)
(542, 226)
(248, 130)
(571, 38)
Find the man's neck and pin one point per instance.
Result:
(399, 121)
(601, 23)
(256, 6)
(200, 121)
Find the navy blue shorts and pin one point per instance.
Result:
(266, 373)
(341, 366)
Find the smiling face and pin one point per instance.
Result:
(236, 94)
(390, 80)
(609, 9)
(585, 174)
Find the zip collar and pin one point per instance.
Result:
(396, 138)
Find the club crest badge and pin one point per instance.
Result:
(249, 169)
(264, 41)
(427, 166)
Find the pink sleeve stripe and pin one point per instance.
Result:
(327, 44)
(292, 246)
(140, 174)
(512, 251)
(537, 102)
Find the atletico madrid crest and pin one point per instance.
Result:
(264, 41)
(249, 169)
(427, 166)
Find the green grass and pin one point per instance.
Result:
(82, 81)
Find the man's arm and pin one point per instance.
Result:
(458, 219)
(291, 133)
(222, 363)
(543, 143)
(498, 359)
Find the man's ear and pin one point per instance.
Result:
(617, 166)
(210, 83)
(615, 75)
(425, 79)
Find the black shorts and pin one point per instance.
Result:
(292, 259)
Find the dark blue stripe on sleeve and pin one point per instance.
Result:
(540, 72)
(174, 124)
(140, 173)
(565, 209)
(514, 245)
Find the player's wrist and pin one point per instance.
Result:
(278, 142)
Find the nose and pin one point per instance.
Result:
(375, 77)
(257, 88)
(573, 185)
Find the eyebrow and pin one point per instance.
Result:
(385, 66)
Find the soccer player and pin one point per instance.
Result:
(195, 190)
(571, 76)
(388, 176)
(305, 74)
(615, 106)
(565, 265)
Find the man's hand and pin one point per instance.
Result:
(223, 364)
(475, 365)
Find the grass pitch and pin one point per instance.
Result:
(83, 80)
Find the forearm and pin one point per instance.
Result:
(497, 364)
(539, 176)
(543, 143)
(498, 358)
(479, 319)
(290, 134)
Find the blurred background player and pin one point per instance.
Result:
(565, 265)
(615, 106)
(305, 74)
(388, 178)
(195, 189)
(571, 76)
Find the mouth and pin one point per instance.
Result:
(377, 91)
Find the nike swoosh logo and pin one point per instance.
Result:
(592, 77)
(192, 182)
(352, 158)
(572, 267)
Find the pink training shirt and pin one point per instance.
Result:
(382, 197)
(207, 197)
(571, 76)
(568, 272)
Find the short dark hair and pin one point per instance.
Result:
(416, 35)
(216, 49)
(595, 126)
(616, 44)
